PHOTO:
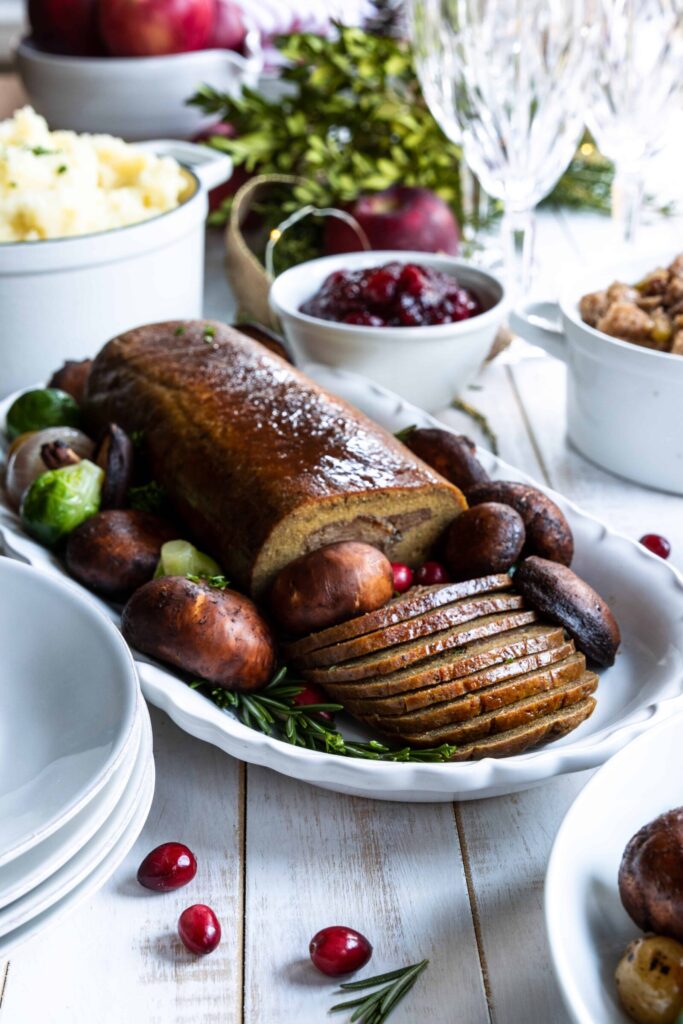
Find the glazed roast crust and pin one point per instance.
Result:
(260, 463)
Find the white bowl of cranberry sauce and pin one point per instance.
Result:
(418, 323)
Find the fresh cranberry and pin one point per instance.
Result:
(199, 929)
(167, 867)
(403, 577)
(430, 573)
(339, 950)
(312, 695)
(657, 544)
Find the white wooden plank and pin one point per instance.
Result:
(392, 871)
(117, 958)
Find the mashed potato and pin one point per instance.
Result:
(57, 184)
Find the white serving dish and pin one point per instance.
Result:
(623, 400)
(63, 298)
(97, 861)
(85, 860)
(588, 929)
(40, 862)
(69, 697)
(426, 365)
(133, 97)
(643, 687)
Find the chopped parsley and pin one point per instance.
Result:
(62, 169)
(209, 334)
(178, 331)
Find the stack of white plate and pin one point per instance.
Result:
(76, 768)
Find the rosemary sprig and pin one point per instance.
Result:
(376, 1007)
(274, 711)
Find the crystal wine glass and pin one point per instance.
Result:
(507, 79)
(638, 73)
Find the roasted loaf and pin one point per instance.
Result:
(260, 463)
(468, 664)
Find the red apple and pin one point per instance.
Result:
(229, 31)
(400, 217)
(149, 28)
(66, 26)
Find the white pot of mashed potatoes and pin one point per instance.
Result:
(96, 236)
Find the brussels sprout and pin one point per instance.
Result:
(59, 500)
(180, 558)
(45, 407)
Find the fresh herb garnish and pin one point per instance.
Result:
(376, 1007)
(150, 497)
(178, 331)
(272, 711)
(403, 435)
(217, 582)
(209, 333)
(62, 169)
(41, 151)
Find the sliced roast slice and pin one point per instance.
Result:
(452, 664)
(507, 718)
(479, 701)
(516, 741)
(421, 625)
(415, 602)
(408, 705)
(401, 655)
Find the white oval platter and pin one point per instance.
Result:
(644, 686)
(588, 929)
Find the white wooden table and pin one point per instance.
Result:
(461, 884)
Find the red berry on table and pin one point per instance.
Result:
(657, 544)
(339, 950)
(311, 694)
(199, 929)
(430, 573)
(403, 577)
(167, 867)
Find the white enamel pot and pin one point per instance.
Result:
(623, 401)
(64, 298)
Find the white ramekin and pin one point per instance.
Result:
(132, 97)
(63, 298)
(623, 401)
(427, 365)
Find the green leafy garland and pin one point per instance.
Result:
(352, 119)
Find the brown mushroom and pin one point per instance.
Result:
(114, 455)
(651, 876)
(330, 585)
(548, 533)
(212, 634)
(565, 598)
(484, 540)
(117, 550)
(451, 455)
(72, 377)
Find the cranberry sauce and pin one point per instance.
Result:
(395, 295)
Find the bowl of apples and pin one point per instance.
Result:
(127, 67)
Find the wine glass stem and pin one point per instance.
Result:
(519, 229)
(627, 201)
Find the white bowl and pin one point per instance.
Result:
(68, 691)
(588, 928)
(64, 298)
(132, 97)
(427, 365)
(623, 400)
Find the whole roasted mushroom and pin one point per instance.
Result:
(114, 455)
(484, 540)
(117, 550)
(452, 455)
(212, 634)
(548, 534)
